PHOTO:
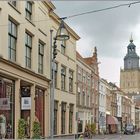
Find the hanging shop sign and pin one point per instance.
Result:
(25, 103)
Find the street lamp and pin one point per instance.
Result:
(61, 35)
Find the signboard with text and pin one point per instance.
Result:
(25, 103)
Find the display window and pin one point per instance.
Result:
(39, 108)
(7, 111)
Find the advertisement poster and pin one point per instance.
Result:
(25, 103)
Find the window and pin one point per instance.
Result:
(63, 117)
(40, 57)
(55, 116)
(63, 77)
(83, 99)
(12, 40)
(93, 83)
(87, 101)
(14, 3)
(79, 75)
(84, 79)
(28, 45)
(7, 109)
(88, 80)
(40, 108)
(78, 98)
(70, 118)
(63, 47)
(71, 81)
(28, 10)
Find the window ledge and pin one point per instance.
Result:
(42, 32)
(41, 74)
(30, 21)
(29, 68)
(15, 62)
(13, 7)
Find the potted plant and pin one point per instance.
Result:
(36, 130)
(93, 128)
(21, 128)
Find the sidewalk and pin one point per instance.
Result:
(106, 137)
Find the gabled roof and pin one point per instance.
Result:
(78, 56)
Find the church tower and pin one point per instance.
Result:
(131, 60)
(130, 75)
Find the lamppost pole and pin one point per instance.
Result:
(51, 86)
(98, 105)
(62, 34)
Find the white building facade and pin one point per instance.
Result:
(102, 105)
(119, 111)
(25, 69)
(133, 112)
(84, 95)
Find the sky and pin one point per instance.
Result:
(109, 31)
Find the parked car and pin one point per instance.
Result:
(129, 129)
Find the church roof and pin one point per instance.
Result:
(131, 51)
(131, 45)
(131, 55)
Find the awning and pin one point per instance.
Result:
(111, 120)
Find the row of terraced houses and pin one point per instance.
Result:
(27, 29)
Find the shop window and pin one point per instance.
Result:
(26, 107)
(80, 125)
(39, 108)
(6, 108)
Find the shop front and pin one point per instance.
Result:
(23, 96)
(119, 124)
(39, 108)
(112, 124)
(7, 112)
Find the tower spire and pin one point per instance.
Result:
(131, 38)
(95, 51)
